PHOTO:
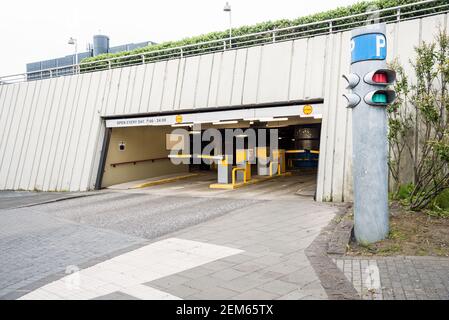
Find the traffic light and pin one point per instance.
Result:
(380, 78)
(380, 98)
(374, 90)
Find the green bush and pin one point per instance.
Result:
(404, 191)
(442, 200)
(151, 55)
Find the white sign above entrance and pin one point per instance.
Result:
(147, 121)
(209, 117)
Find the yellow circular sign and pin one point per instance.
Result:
(178, 119)
(308, 109)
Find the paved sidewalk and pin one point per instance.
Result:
(273, 265)
(398, 278)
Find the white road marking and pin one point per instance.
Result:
(127, 273)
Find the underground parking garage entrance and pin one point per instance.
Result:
(231, 149)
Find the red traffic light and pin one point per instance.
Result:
(380, 77)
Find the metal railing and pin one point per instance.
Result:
(405, 12)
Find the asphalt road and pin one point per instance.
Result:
(142, 215)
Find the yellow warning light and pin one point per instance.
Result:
(178, 119)
(307, 109)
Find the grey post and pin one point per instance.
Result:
(368, 101)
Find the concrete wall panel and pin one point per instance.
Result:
(343, 52)
(48, 131)
(214, 79)
(75, 133)
(20, 138)
(204, 81)
(315, 69)
(95, 140)
(275, 72)
(39, 134)
(157, 87)
(407, 37)
(171, 80)
(123, 90)
(8, 150)
(136, 96)
(146, 88)
(57, 130)
(252, 74)
(24, 160)
(61, 146)
(114, 88)
(132, 84)
(85, 138)
(239, 77)
(226, 78)
(430, 27)
(6, 112)
(189, 82)
(298, 67)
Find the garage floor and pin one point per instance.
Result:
(299, 184)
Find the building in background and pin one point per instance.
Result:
(42, 69)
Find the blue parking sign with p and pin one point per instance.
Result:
(372, 46)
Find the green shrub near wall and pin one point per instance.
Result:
(357, 8)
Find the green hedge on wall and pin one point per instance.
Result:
(357, 8)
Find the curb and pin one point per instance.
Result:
(334, 282)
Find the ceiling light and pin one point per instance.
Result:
(277, 119)
(272, 119)
(182, 125)
(201, 122)
(266, 119)
(275, 125)
(225, 122)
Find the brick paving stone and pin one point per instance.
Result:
(401, 278)
(256, 294)
(278, 287)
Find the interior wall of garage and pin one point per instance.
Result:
(141, 143)
(51, 131)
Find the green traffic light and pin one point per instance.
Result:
(380, 98)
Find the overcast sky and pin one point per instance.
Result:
(38, 30)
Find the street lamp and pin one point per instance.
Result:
(73, 41)
(227, 8)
